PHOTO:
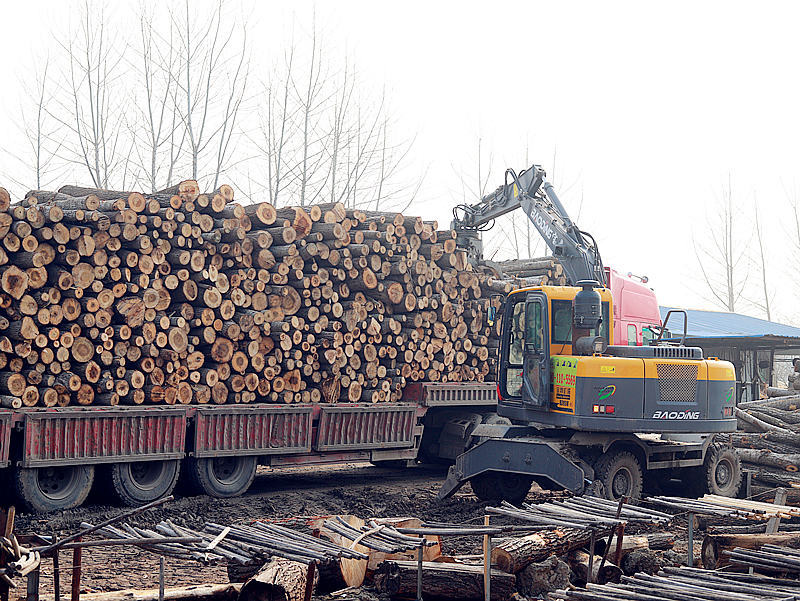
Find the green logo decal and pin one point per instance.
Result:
(729, 396)
(607, 392)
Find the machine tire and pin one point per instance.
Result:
(43, 489)
(620, 474)
(722, 470)
(140, 482)
(223, 477)
(494, 487)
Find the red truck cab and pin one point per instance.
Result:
(635, 309)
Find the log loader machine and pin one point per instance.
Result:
(575, 410)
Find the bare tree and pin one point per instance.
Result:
(721, 253)
(159, 139)
(211, 83)
(90, 108)
(763, 265)
(324, 139)
(41, 131)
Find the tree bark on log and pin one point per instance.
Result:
(516, 553)
(715, 544)
(442, 581)
(278, 580)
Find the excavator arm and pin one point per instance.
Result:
(576, 250)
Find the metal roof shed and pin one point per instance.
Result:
(750, 343)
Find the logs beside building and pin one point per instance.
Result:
(183, 297)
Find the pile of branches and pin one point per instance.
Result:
(180, 296)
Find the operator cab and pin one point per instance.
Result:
(559, 368)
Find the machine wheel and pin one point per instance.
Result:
(44, 489)
(141, 482)
(722, 470)
(223, 477)
(494, 487)
(621, 475)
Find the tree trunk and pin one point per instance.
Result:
(278, 580)
(451, 581)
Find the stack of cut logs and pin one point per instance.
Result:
(768, 440)
(179, 297)
(539, 271)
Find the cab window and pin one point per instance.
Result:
(561, 329)
(632, 334)
(533, 326)
(516, 350)
(647, 335)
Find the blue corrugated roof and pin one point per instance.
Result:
(721, 324)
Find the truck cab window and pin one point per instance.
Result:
(648, 335)
(632, 334)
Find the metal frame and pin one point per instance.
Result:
(458, 395)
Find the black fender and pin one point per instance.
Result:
(536, 458)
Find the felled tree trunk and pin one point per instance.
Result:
(640, 560)
(783, 461)
(450, 581)
(279, 580)
(579, 562)
(516, 553)
(715, 544)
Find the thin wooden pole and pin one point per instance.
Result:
(56, 571)
(419, 571)
(33, 586)
(309, 592)
(161, 578)
(76, 571)
(487, 562)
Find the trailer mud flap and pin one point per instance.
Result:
(533, 458)
(5, 437)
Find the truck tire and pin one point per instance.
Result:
(722, 470)
(140, 482)
(223, 477)
(44, 489)
(620, 474)
(494, 487)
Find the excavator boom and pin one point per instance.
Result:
(576, 250)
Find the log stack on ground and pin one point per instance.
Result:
(768, 440)
(185, 297)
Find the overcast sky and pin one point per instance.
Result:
(640, 111)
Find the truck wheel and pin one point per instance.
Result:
(223, 477)
(494, 487)
(723, 471)
(620, 474)
(45, 489)
(141, 482)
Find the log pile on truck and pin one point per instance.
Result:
(187, 297)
